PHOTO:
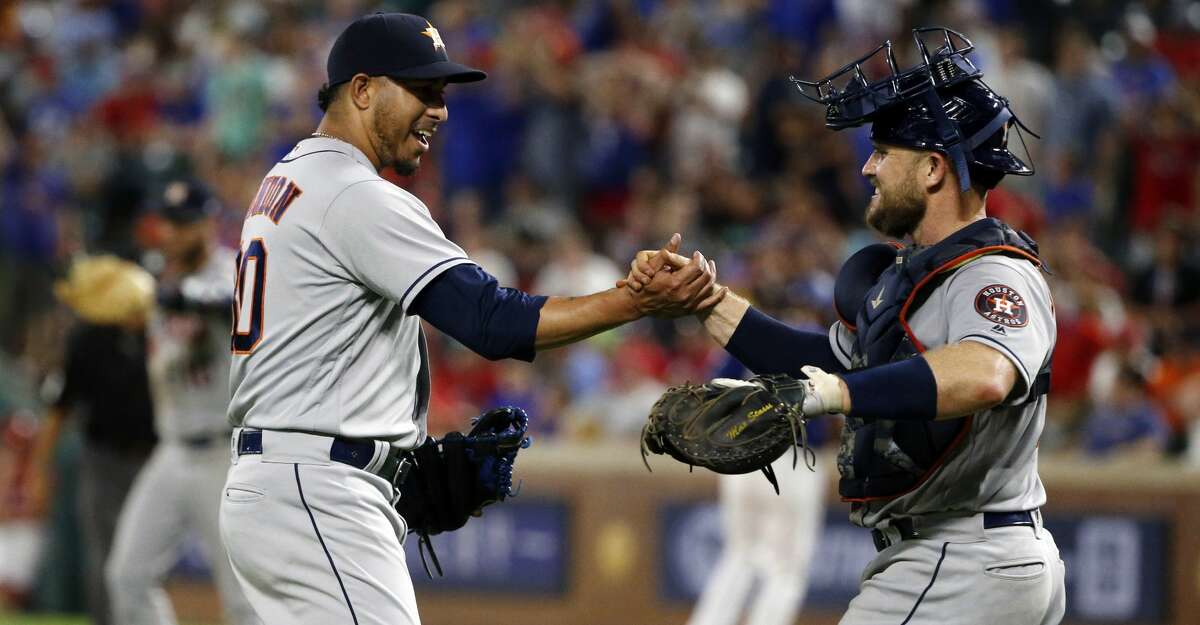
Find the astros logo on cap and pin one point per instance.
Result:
(433, 34)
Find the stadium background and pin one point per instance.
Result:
(604, 127)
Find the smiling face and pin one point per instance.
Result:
(898, 205)
(405, 115)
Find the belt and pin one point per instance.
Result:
(906, 530)
(356, 453)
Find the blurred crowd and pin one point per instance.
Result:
(604, 127)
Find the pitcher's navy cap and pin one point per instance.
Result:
(399, 45)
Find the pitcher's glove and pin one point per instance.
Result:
(731, 426)
(454, 478)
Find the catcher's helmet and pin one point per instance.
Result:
(940, 104)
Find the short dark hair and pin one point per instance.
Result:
(327, 94)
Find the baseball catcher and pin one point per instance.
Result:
(453, 478)
(940, 360)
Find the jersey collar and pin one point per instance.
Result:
(312, 144)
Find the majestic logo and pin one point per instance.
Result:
(1002, 306)
(433, 34)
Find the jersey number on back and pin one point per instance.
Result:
(248, 297)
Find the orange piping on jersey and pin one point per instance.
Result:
(953, 263)
(847, 324)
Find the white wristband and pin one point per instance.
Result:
(824, 392)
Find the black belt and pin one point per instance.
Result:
(904, 526)
(356, 453)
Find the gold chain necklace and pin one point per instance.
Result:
(318, 133)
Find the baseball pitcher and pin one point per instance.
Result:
(330, 377)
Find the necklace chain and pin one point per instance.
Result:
(318, 133)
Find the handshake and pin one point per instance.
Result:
(666, 284)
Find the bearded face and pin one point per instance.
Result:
(897, 208)
(898, 204)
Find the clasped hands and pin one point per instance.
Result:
(665, 284)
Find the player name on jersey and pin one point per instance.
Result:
(274, 196)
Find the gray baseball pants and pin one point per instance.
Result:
(960, 573)
(313, 541)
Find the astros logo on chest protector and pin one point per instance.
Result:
(1001, 304)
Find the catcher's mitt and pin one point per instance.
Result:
(453, 478)
(730, 426)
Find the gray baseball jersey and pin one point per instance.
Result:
(332, 256)
(189, 368)
(1005, 304)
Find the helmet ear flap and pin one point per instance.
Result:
(984, 177)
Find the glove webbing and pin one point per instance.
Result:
(796, 419)
(425, 542)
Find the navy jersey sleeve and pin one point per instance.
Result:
(766, 345)
(468, 304)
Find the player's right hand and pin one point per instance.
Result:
(687, 287)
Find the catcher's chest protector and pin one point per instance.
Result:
(884, 459)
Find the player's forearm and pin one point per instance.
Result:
(766, 345)
(565, 320)
(944, 383)
(970, 377)
(722, 320)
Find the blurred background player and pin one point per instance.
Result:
(769, 540)
(178, 491)
(105, 385)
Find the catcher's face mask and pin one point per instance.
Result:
(940, 104)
